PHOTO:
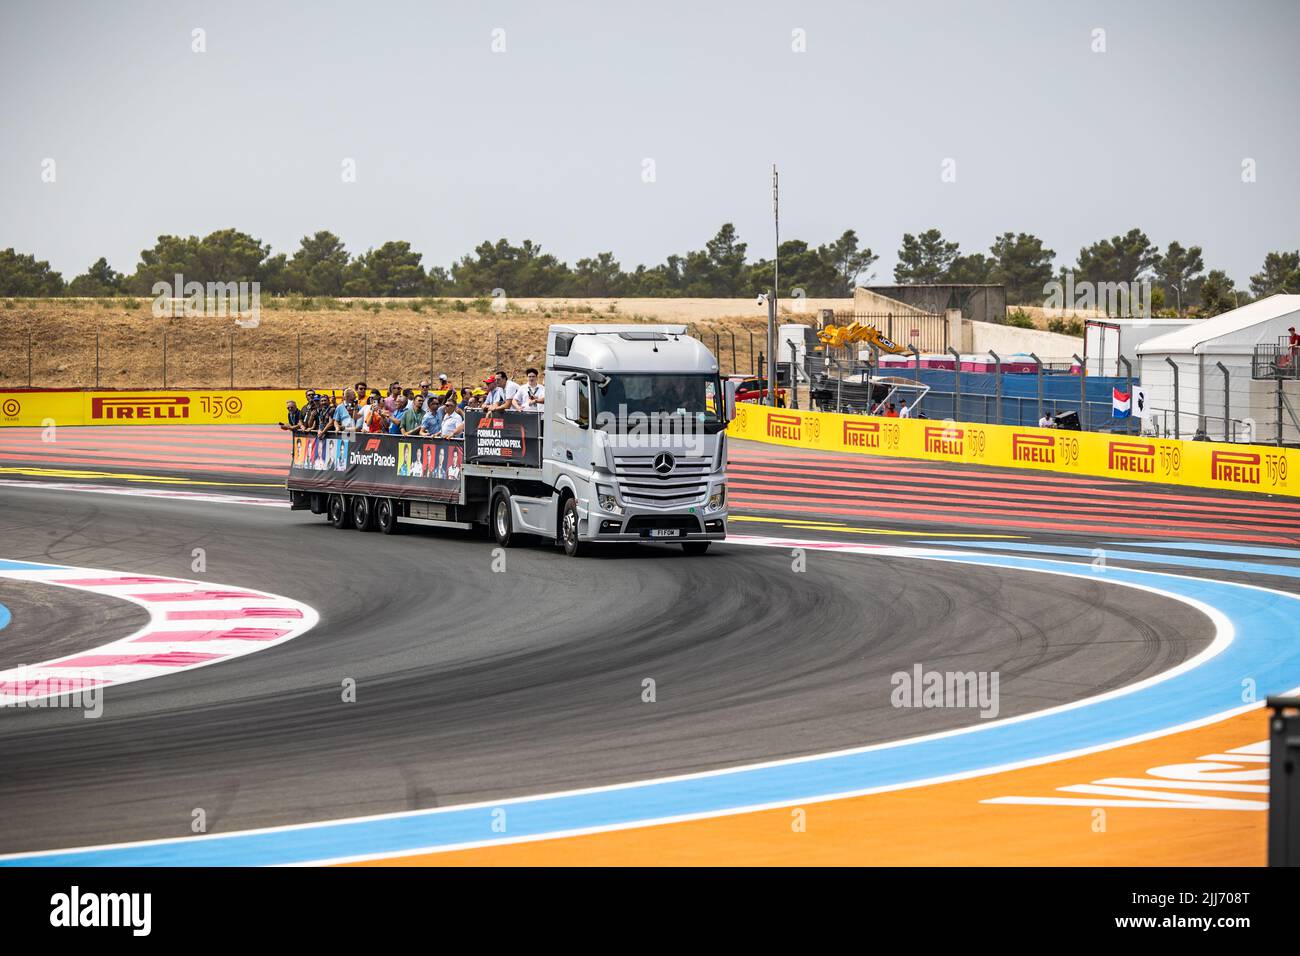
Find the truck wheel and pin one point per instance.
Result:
(386, 515)
(503, 530)
(696, 547)
(363, 513)
(573, 546)
(338, 511)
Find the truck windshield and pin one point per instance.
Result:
(674, 400)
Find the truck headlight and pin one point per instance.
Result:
(606, 499)
(717, 498)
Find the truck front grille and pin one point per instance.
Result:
(641, 483)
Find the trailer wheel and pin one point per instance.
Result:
(503, 531)
(338, 512)
(363, 513)
(386, 515)
(574, 547)
(696, 547)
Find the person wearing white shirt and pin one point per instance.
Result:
(1046, 421)
(530, 396)
(452, 422)
(904, 411)
(502, 394)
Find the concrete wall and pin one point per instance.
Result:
(867, 302)
(1008, 340)
(979, 303)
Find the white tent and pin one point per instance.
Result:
(1202, 351)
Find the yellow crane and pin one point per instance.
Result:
(838, 336)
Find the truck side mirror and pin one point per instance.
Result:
(572, 399)
(729, 390)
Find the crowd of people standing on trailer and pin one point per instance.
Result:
(429, 411)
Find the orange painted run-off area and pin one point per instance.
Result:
(946, 824)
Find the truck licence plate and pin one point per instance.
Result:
(664, 533)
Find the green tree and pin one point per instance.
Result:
(24, 275)
(973, 269)
(1217, 294)
(319, 267)
(1177, 270)
(100, 279)
(1126, 258)
(523, 270)
(1022, 265)
(601, 276)
(849, 261)
(924, 259)
(391, 270)
(726, 263)
(226, 255)
(1281, 273)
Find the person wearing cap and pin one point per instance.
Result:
(474, 399)
(501, 394)
(444, 392)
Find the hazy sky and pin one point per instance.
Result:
(455, 143)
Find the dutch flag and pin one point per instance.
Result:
(1121, 404)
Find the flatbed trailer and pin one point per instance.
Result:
(579, 472)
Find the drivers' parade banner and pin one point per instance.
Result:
(1198, 464)
(366, 463)
(42, 407)
(503, 438)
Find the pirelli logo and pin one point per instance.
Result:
(784, 426)
(140, 408)
(1033, 448)
(945, 441)
(1132, 457)
(862, 434)
(1241, 467)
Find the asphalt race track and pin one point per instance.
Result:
(474, 684)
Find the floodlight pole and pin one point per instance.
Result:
(771, 299)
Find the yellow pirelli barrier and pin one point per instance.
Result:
(1196, 464)
(39, 407)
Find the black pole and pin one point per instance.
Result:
(997, 370)
(1178, 431)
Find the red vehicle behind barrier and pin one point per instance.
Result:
(755, 390)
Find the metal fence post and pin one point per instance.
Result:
(1083, 392)
(1227, 381)
(1128, 385)
(96, 358)
(997, 383)
(231, 336)
(794, 377)
(916, 360)
(29, 358)
(732, 333)
(1039, 363)
(1178, 425)
(164, 360)
(956, 383)
(297, 364)
(365, 356)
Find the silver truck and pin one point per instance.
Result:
(629, 445)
